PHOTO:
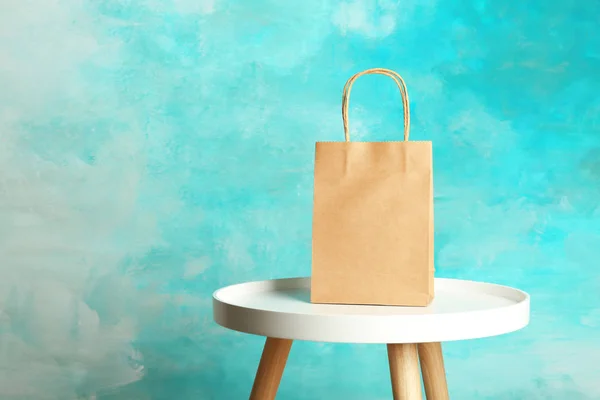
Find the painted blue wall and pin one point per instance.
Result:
(153, 151)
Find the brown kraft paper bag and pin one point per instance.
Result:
(373, 217)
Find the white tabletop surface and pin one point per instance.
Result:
(460, 310)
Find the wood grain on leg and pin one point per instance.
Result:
(434, 374)
(270, 369)
(404, 370)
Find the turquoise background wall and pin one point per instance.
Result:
(153, 151)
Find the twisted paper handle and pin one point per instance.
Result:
(382, 71)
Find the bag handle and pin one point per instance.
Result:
(381, 71)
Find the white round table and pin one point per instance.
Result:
(281, 310)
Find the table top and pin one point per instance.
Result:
(460, 310)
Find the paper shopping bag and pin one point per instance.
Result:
(373, 217)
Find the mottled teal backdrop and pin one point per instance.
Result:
(152, 151)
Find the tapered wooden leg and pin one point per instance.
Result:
(432, 368)
(270, 369)
(404, 370)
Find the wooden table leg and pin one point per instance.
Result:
(432, 368)
(270, 369)
(404, 370)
